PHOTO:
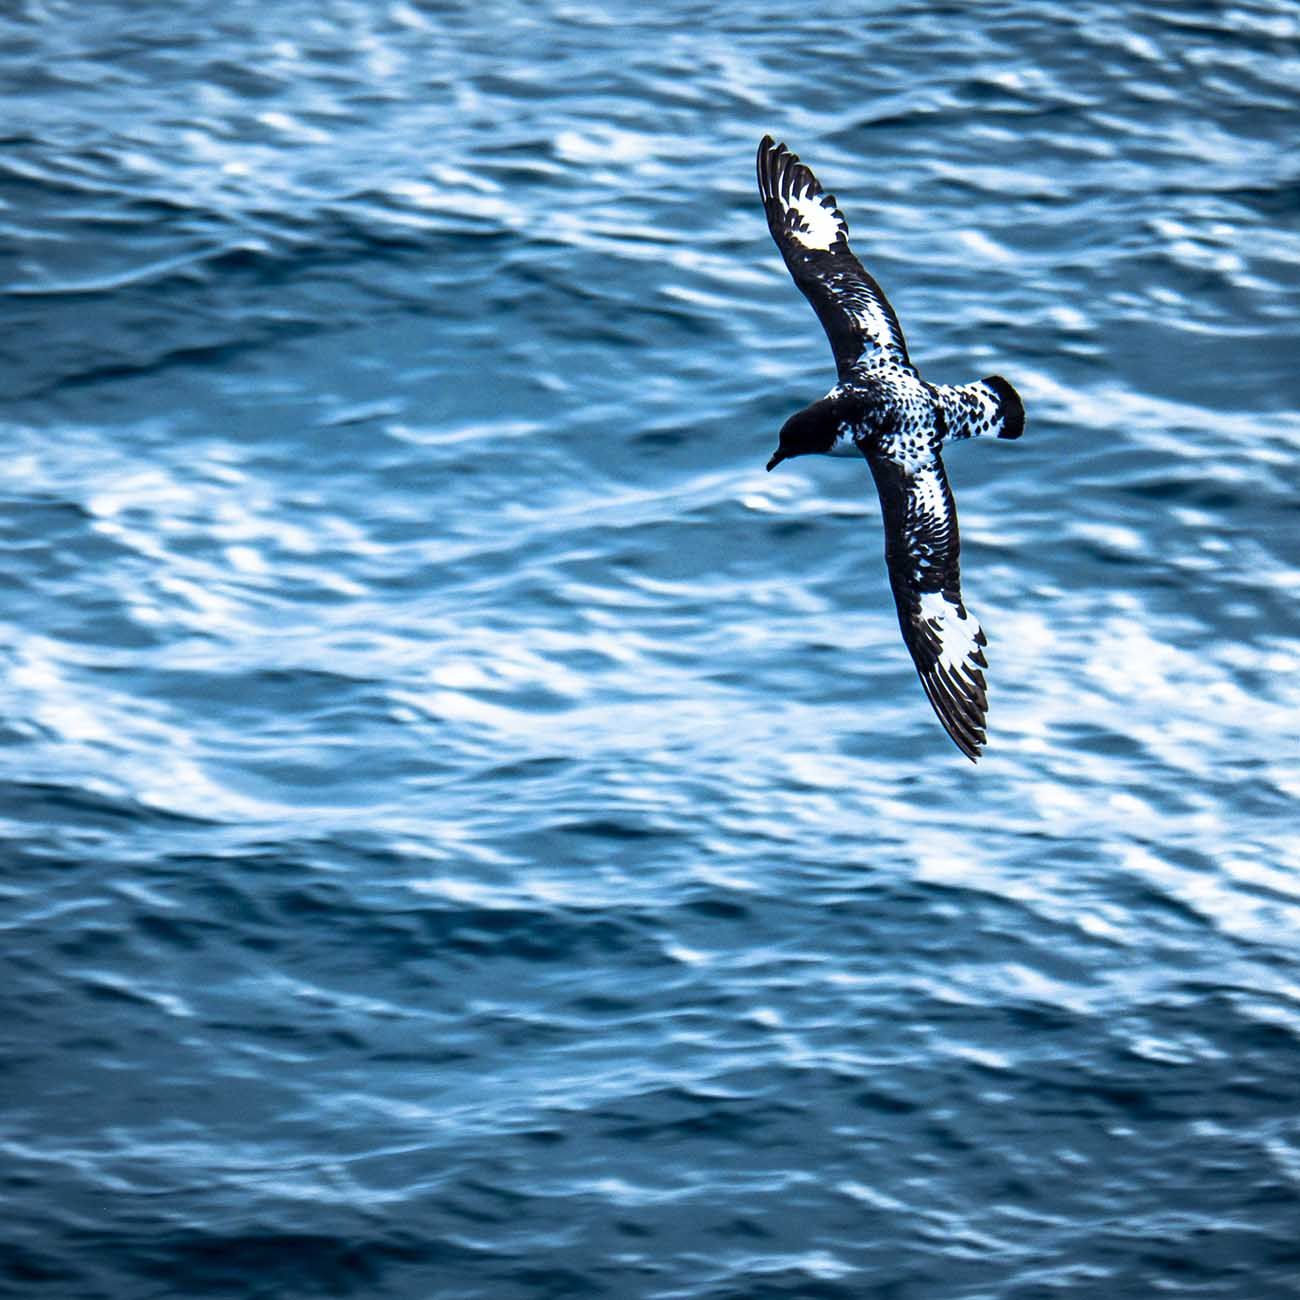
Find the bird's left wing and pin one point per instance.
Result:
(813, 238)
(921, 554)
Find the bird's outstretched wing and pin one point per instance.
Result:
(921, 550)
(813, 238)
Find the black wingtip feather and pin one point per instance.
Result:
(961, 713)
(780, 171)
(770, 155)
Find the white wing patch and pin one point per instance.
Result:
(959, 635)
(814, 222)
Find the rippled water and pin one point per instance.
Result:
(468, 831)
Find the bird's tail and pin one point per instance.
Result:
(990, 407)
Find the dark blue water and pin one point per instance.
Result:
(468, 831)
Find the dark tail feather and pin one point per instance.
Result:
(1010, 407)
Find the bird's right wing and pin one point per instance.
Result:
(921, 554)
(813, 238)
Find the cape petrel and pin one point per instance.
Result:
(882, 408)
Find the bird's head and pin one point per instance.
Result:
(812, 430)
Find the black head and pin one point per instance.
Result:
(812, 430)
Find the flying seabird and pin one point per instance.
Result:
(881, 407)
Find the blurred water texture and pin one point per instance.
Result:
(468, 831)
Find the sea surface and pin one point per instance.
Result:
(467, 832)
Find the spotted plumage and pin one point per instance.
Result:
(882, 409)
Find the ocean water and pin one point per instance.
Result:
(467, 831)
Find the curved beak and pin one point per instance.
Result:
(777, 457)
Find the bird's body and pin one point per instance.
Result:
(882, 409)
